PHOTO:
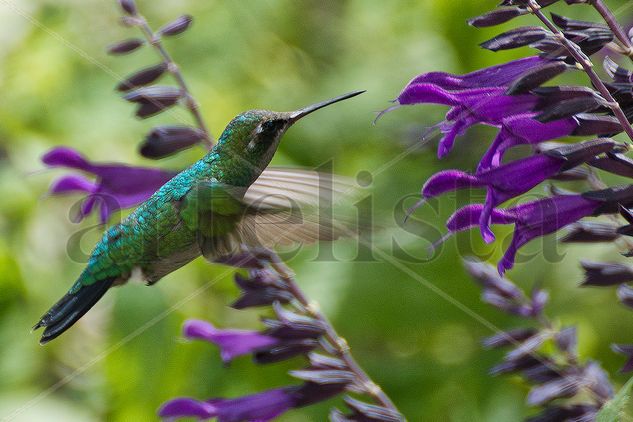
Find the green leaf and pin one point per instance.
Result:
(612, 410)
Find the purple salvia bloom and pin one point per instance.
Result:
(476, 97)
(232, 343)
(117, 186)
(502, 183)
(531, 220)
(260, 407)
(503, 74)
(524, 129)
(520, 364)
(487, 105)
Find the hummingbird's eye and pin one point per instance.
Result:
(269, 127)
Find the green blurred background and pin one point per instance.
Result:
(126, 357)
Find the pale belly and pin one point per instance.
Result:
(163, 266)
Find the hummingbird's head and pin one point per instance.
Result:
(252, 137)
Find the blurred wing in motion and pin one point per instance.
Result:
(282, 207)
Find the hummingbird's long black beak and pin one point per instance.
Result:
(296, 115)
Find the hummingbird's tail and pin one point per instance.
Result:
(70, 308)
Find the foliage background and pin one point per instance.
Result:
(56, 89)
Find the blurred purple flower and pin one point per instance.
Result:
(262, 407)
(531, 220)
(509, 338)
(232, 343)
(117, 186)
(606, 273)
(627, 351)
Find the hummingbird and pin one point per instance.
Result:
(228, 200)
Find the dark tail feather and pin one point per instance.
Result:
(70, 308)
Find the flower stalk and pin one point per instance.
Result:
(566, 387)
(334, 342)
(298, 329)
(155, 40)
(586, 64)
(626, 45)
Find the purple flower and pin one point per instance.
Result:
(482, 97)
(524, 129)
(117, 186)
(531, 220)
(477, 97)
(259, 407)
(500, 75)
(232, 343)
(488, 105)
(515, 178)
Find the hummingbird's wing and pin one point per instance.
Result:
(277, 187)
(297, 206)
(283, 206)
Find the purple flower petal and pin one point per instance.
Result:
(232, 343)
(503, 183)
(448, 180)
(487, 104)
(66, 157)
(130, 186)
(469, 216)
(451, 131)
(187, 408)
(523, 129)
(260, 407)
(542, 217)
(118, 186)
(498, 75)
(68, 184)
(493, 107)
(532, 219)
(428, 94)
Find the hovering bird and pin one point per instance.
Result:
(227, 200)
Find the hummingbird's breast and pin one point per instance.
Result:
(152, 238)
